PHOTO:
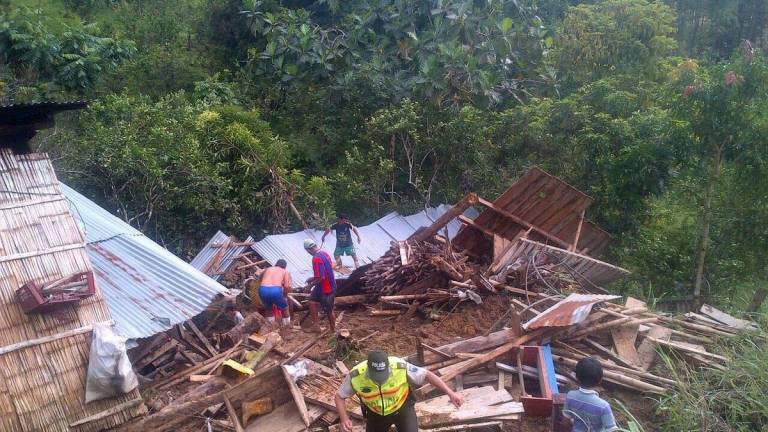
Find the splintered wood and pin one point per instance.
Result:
(391, 274)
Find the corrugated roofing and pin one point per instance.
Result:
(147, 288)
(210, 253)
(572, 310)
(376, 239)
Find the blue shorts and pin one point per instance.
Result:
(272, 295)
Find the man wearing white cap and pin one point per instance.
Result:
(323, 285)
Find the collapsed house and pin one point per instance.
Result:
(531, 247)
(230, 261)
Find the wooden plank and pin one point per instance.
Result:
(202, 338)
(284, 418)
(523, 222)
(32, 342)
(342, 367)
(163, 349)
(484, 358)
(687, 348)
(727, 319)
(469, 414)
(41, 252)
(325, 404)
(459, 208)
(575, 242)
(200, 378)
(108, 412)
(473, 397)
(403, 252)
(233, 415)
(298, 398)
(624, 339)
(475, 344)
(646, 352)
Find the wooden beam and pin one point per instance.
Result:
(467, 221)
(298, 398)
(523, 222)
(42, 252)
(575, 243)
(459, 208)
(233, 415)
(32, 342)
(108, 412)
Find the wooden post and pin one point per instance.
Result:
(233, 415)
(575, 244)
(468, 201)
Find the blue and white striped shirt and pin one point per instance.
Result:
(589, 412)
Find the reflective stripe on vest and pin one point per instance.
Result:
(387, 398)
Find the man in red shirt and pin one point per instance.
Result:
(323, 285)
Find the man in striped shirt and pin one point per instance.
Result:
(323, 285)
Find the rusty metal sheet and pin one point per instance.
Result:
(544, 201)
(572, 310)
(146, 287)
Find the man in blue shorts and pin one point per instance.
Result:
(344, 245)
(274, 287)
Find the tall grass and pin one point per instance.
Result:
(710, 400)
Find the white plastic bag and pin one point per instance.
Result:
(109, 370)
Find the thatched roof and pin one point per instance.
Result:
(42, 383)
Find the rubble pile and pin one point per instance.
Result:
(532, 247)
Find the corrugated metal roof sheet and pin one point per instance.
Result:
(147, 288)
(572, 310)
(544, 201)
(210, 251)
(376, 241)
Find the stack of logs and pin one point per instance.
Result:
(412, 267)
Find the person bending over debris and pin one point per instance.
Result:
(584, 409)
(323, 285)
(344, 245)
(383, 385)
(275, 286)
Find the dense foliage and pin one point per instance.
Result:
(256, 116)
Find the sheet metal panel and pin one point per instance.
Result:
(376, 237)
(147, 288)
(211, 250)
(572, 310)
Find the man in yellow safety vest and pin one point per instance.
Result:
(383, 384)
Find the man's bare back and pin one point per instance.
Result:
(276, 276)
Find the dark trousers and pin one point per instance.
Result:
(404, 420)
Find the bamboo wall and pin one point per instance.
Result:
(42, 387)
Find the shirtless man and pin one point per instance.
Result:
(273, 289)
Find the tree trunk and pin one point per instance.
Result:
(706, 220)
(757, 300)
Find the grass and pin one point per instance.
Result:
(731, 400)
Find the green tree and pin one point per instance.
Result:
(624, 36)
(180, 169)
(48, 57)
(723, 104)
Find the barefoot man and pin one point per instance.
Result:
(275, 286)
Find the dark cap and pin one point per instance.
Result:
(378, 366)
